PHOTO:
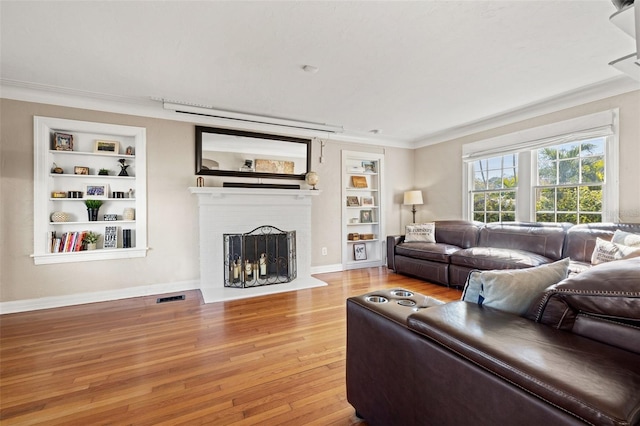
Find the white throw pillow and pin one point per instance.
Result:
(513, 290)
(626, 238)
(424, 232)
(607, 251)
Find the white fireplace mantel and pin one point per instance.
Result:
(241, 210)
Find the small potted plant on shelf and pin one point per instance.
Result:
(92, 209)
(91, 239)
(103, 172)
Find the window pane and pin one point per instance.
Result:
(495, 179)
(478, 202)
(510, 161)
(590, 218)
(493, 202)
(567, 217)
(545, 199)
(478, 216)
(567, 200)
(568, 171)
(495, 163)
(508, 217)
(480, 180)
(547, 172)
(593, 147)
(590, 199)
(493, 217)
(509, 178)
(545, 217)
(508, 201)
(569, 150)
(593, 169)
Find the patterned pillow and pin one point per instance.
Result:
(626, 238)
(607, 251)
(513, 290)
(424, 232)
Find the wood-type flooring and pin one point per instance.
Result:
(270, 360)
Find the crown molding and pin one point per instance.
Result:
(594, 92)
(153, 108)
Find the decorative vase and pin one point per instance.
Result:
(129, 214)
(312, 179)
(60, 217)
(93, 214)
(92, 246)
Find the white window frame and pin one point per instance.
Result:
(526, 142)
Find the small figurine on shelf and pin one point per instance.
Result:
(57, 170)
(130, 192)
(123, 167)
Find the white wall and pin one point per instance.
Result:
(172, 260)
(439, 167)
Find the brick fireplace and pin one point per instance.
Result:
(236, 210)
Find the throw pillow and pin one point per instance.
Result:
(513, 290)
(626, 238)
(473, 286)
(425, 233)
(607, 251)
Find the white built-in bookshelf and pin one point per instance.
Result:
(65, 176)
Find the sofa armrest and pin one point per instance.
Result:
(392, 242)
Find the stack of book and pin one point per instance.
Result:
(66, 242)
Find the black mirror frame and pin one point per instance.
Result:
(200, 171)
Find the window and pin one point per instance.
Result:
(569, 182)
(562, 172)
(495, 182)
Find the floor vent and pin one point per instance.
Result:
(170, 299)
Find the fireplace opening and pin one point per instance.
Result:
(264, 256)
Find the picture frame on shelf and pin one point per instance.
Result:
(359, 182)
(353, 201)
(63, 142)
(369, 166)
(99, 191)
(80, 170)
(130, 151)
(106, 147)
(110, 237)
(360, 251)
(367, 201)
(366, 216)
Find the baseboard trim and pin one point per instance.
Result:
(98, 296)
(337, 267)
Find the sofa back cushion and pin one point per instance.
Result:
(601, 303)
(581, 239)
(545, 239)
(461, 233)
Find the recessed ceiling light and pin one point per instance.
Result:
(310, 69)
(375, 131)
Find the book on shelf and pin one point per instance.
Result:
(66, 242)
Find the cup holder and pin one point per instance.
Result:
(406, 302)
(401, 293)
(376, 299)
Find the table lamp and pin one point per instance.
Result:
(413, 198)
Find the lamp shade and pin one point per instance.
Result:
(413, 198)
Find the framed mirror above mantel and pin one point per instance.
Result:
(229, 152)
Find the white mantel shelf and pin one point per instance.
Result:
(238, 210)
(217, 191)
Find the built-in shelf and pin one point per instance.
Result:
(627, 20)
(81, 154)
(368, 169)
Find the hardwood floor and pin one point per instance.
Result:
(271, 360)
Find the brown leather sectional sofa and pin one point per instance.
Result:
(463, 246)
(574, 358)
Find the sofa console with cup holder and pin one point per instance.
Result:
(572, 359)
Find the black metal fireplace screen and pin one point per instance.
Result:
(266, 255)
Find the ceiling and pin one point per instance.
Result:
(409, 69)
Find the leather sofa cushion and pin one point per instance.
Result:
(459, 233)
(486, 258)
(602, 303)
(427, 251)
(581, 239)
(591, 380)
(544, 239)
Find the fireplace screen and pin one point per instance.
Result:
(266, 255)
